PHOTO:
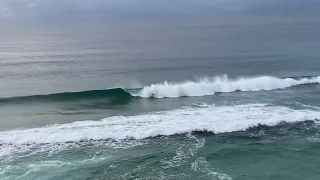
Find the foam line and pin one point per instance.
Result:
(217, 119)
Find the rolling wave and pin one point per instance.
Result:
(204, 87)
(216, 119)
(113, 94)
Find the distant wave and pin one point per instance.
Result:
(203, 87)
(216, 119)
(222, 84)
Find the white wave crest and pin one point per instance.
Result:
(221, 84)
(215, 119)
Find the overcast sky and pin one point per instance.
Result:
(104, 8)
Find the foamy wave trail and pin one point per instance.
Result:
(222, 84)
(216, 119)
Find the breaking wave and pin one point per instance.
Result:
(204, 87)
(222, 84)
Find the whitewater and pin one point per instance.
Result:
(207, 118)
(221, 84)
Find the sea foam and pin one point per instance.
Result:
(221, 84)
(216, 119)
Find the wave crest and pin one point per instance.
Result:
(221, 84)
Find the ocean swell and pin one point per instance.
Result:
(119, 94)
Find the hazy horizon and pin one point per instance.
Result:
(95, 9)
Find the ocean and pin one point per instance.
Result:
(159, 100)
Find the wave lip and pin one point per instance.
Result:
(221, 84)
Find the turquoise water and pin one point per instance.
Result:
(160, 101)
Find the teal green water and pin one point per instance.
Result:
(160, 101)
